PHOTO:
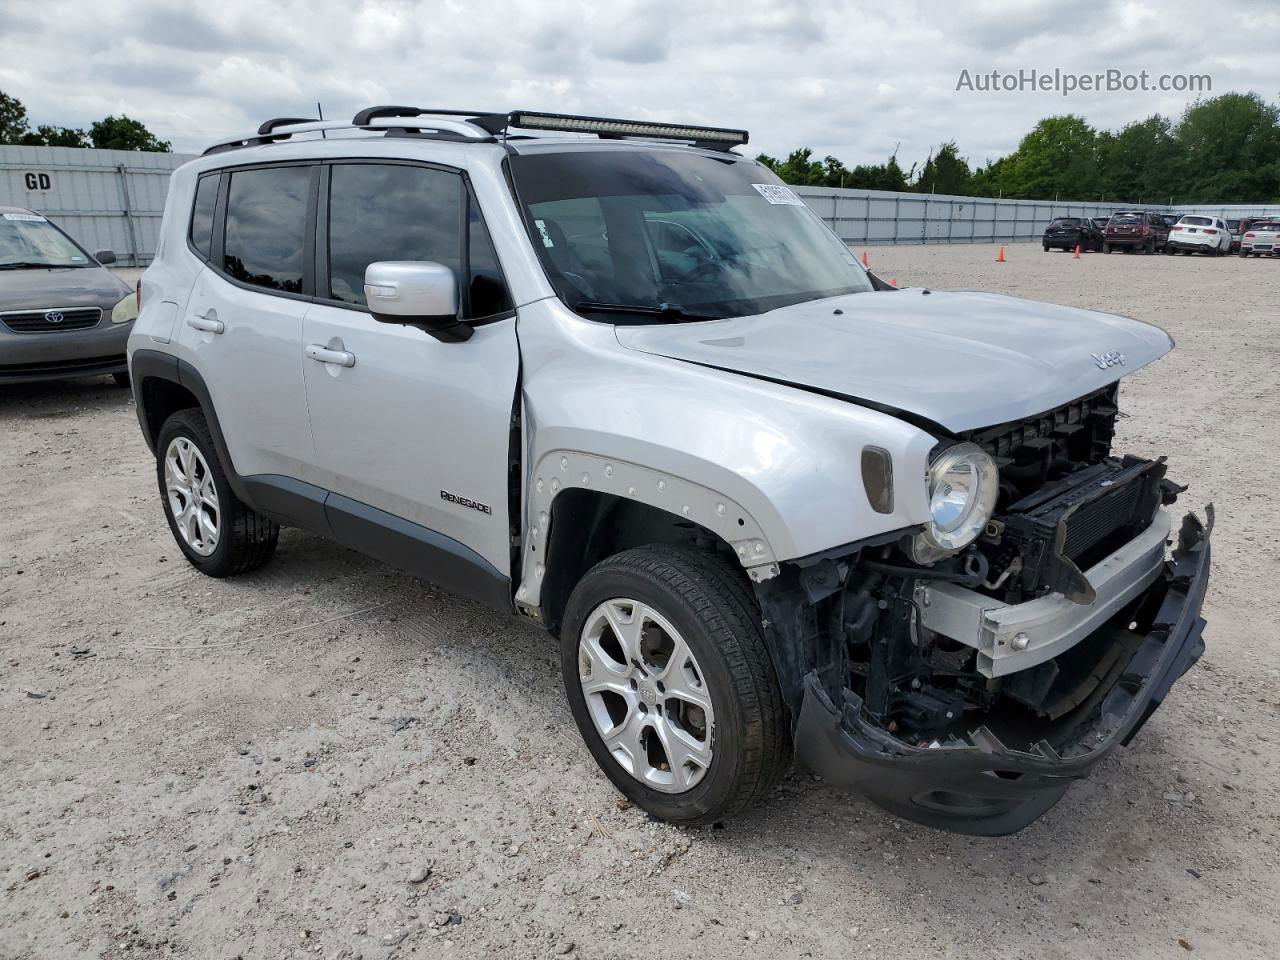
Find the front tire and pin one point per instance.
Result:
(671, 685)
(215, 530)
(121, 379)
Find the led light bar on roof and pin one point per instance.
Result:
(625, 128)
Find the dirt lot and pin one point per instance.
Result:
(270, 766)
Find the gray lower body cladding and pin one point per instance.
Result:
(986, 787)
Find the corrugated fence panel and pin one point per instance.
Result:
(113, 199)
(106, 199)
(878, 216)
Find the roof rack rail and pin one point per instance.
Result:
(481, 125)
(269, 125)
(484, 119)
(284, 128)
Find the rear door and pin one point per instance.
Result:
(415, 429)
(242, 323)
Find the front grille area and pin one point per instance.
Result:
(52, 320)
(1095, 413)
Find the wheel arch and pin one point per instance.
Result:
(164, 384)
(587, 508)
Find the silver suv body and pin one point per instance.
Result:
(616, 379)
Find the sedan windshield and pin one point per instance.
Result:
(665, 236)
(29, 240)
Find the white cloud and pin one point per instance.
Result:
(853, 80)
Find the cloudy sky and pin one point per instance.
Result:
(851, 79)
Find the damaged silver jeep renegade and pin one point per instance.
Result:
(619, 380)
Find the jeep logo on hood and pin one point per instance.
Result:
(1111, 358)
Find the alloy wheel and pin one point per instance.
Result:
(646, 695)
(192, 496)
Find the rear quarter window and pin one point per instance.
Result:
(202, 213)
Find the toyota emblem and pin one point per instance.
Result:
(54, 316)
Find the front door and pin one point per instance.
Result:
(407, 427)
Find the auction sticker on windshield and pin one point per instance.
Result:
(28, 217)
(777, 193)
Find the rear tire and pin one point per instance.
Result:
(719, 760)
(1106, 248)
(215, 530)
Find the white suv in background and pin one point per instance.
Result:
(616, 379)
(1194, 232)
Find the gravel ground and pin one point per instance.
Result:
(329, 758)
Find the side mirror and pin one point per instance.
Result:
(104, 257)
(420, 293)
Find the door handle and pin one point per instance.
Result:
(341, 358)
(208, 322)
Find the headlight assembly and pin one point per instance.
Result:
(126, 310)
(963, 485)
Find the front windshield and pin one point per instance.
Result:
(29, 240)
(676, 233)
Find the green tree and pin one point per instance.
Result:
(1058, 158)
(1228, 150)
(1138, 162)
(122, 133)
(946, 172)
(13, 119)
(47, 136)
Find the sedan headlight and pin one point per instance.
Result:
(125, 310)
(963, 485)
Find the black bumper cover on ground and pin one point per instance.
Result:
(990, 790)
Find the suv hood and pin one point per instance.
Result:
(961, 360)
(45, 287)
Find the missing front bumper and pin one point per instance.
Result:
(987, 788)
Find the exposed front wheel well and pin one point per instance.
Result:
(588, 526)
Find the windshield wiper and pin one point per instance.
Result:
(666, 313)
(33, 265)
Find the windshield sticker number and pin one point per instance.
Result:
(777, 193)
(546, 237)
(26, 217)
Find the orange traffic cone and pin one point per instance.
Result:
(1077, 256)
(1000, 255)
(893, 282)
(864, 259)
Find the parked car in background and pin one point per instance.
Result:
(62, 313)
(1065, 233)
(1237, 231)
(1196, 233)
(1261, 239)
(1135, 230)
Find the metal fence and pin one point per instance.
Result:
(113, 199)
(878, 216)
(106, 199)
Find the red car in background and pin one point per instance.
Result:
(1135, 230)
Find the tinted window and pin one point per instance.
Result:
(266, 227)
(488, 291)
(390, 212)
(202, 213)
